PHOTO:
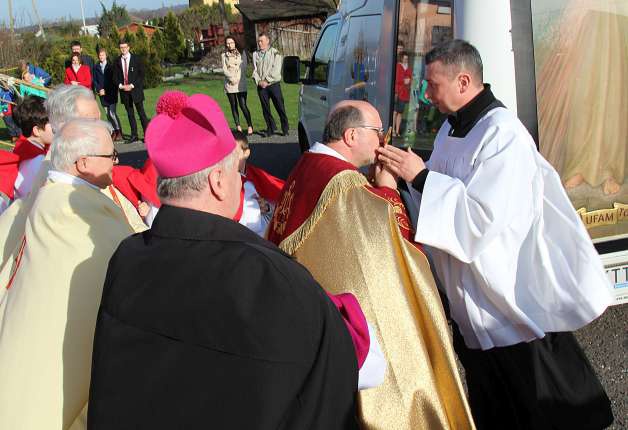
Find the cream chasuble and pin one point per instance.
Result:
(48, 315)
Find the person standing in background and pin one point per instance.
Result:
(78, 73)
(107, 92)
(78, 49)
(234, 68)
(128, 76)
(267, 64)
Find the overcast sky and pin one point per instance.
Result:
(51, 10)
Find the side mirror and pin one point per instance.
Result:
(291, 70)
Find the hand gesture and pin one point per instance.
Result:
(404, 164)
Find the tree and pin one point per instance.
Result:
(116, 16)
(223, 16)
(157, 43)
(174, 39)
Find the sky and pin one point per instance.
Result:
(51, 10)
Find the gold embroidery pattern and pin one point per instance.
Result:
(283, 210)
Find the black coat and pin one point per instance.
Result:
(203, 324)
(135, 75)
(105, 81)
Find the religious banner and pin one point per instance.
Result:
(582, 105)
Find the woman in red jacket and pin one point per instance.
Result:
(78, 73)
(403, 77)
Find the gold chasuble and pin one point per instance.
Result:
(48, 312)
(349, 238)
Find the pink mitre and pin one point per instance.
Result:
(188, 135)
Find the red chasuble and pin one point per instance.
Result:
(303, 190)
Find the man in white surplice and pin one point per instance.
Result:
(514, 259)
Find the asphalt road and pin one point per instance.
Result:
(605, 341)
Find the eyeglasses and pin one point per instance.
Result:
(379, 130)
(113, 156)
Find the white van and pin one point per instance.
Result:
(543, 60)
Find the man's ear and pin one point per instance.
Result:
(81, 165)
(216, 183)
(349, 136)
(36, 131)
(464, 82)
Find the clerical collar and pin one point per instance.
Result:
(319, 148)
(466, 117)
(66, 178)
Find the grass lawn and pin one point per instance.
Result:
(211, 85)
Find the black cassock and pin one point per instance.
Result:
(205, 325)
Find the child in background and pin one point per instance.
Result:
(6, 112)
(260, 191)
(33, 145)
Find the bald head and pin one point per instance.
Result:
(353, 129)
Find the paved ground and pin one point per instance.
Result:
(605, 341)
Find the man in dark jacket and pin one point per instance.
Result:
(128, 76)
(76, 48)
(105, 87)
(202, 323)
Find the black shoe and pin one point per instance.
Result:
(285, 132)
(132, 139)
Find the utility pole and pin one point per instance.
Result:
(82, 14)
(11, 23)
(41, 27)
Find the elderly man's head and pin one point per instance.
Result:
(70, 101)
(215, 189)
(83, 148)
(354, 129)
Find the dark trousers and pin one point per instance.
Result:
(128, 105)
(14, 130)
(112, 115)
(234, 100)
(545, 384)
(273, 92)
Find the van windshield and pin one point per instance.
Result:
(423, 24)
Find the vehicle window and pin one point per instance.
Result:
(423, 24)
(580, 51)
(323, 55)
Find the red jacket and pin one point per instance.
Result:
(83, 76)
(402, 91)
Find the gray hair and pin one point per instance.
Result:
(186, 186)
(77, 138)
(61, 104)
(458, 55)
(340, 120)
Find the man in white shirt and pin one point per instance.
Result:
(514, 259)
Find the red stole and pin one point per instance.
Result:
(137, 184)
(303, 188)
(26, 150)
(8, 172)
(306, 184)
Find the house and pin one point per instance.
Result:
(293, 28)
(134, 27)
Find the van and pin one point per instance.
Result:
(543, 61)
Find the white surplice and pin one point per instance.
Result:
(512, 254)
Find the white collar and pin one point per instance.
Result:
(320, 148)
(66, 178)
(127, 56)
(37, 144)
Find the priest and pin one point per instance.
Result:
(515, 260)
(354, 236)
(48, 314)
(202, 323)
